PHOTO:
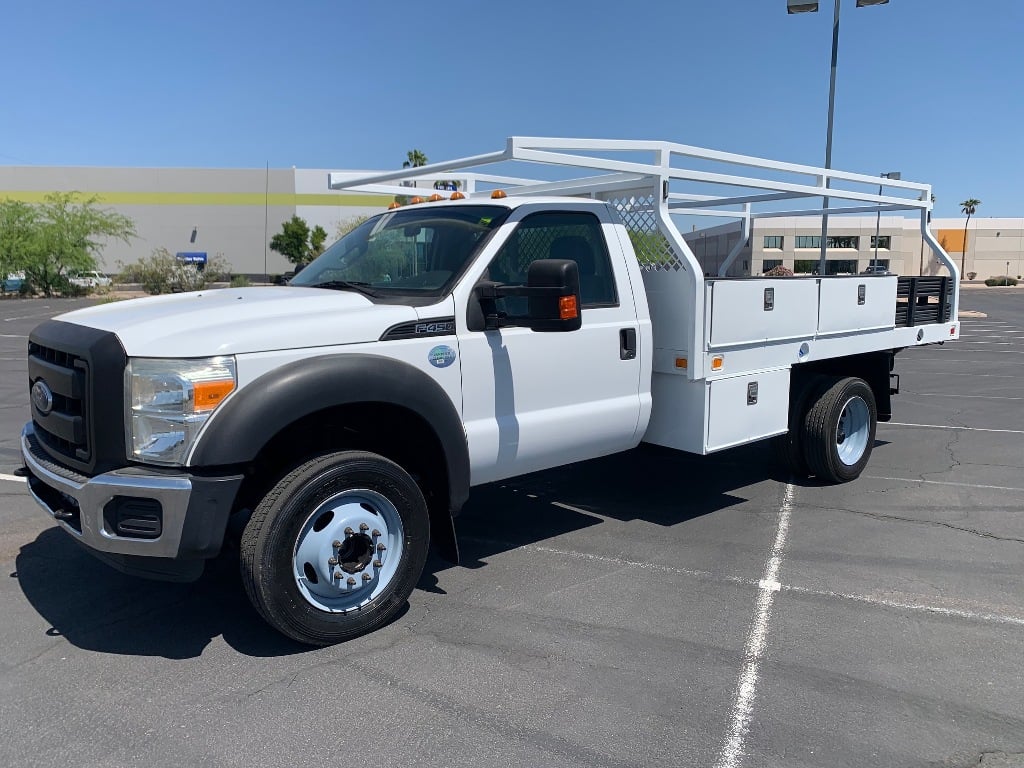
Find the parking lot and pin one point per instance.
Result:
(646, 609)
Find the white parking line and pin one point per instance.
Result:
(944, 426)
(913, 603)
(25, 317)
(959, 396)
(733, 748)
(943, 482)
(975, 375)
(13, 335)
(12, 478)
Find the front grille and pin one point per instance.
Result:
(65, 427)
(80, 423)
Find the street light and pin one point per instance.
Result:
(803, 6)
(894, 175)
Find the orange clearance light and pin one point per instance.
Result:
(458, 196)
(567, 308)
(394, 205)
(682, 362)
(435, 197)
(498, 194)
(717, 362)
(209, 394)
(416, 200)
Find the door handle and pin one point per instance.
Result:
(627, 344)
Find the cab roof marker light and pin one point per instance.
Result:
(498, 194)
(394, 205)
(458, 196)
(416, 201)
(435, 197)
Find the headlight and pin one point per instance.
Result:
(170, 400)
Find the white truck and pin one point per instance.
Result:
(515, 325)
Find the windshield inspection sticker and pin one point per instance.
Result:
(442, 356)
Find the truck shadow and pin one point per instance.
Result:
(656, 485)
(96, 608)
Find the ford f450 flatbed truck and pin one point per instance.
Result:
(514, 326)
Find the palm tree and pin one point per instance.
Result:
(969, 207)
(415, 159)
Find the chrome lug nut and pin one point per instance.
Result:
(366, 576)
(381, 547)
(332, 561)
(377, 564)
(336, 544)
(351, 581)
(364, 527)
(375, 532)
(349, 531)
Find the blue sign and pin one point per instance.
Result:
(442, 356)
(191, 257)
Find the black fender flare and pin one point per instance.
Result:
(254, 415)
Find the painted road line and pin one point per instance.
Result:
(943, 482)
(44, 314)
(958, 396)
(746, 690)
(12, 478)
(943, 426)
(914, 603)
(932, 374)
(13, 335)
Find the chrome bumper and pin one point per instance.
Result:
(193, 510)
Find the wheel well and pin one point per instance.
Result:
(389, 430)
(872, 367)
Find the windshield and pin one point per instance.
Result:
(408, 251)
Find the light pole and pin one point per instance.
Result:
(803, 6)
(894, 175)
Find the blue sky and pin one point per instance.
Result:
(932, 88)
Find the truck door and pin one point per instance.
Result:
(537, 400)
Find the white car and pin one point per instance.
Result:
(89, 279)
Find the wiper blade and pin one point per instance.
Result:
(345, 285)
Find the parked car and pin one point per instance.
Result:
(91, 279)
(13, 282)
(876, 269)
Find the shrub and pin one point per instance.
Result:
(971, 275)
(161, 272)
(240, 281)
(1002, 280)
(779, 271)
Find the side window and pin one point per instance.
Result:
(558, 235)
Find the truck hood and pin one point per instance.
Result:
(238, 320)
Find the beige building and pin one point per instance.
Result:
(994, 246)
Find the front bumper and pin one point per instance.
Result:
(184, 518)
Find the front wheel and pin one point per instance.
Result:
(839, 430)
(336, 547)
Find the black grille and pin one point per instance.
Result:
(923, 300)
(83, 368)
(64, 428)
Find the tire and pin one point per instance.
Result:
(295, 573)
(839, 429)
(789, 448)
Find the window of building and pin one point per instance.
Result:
(770, 264)
(883, 241)
(833, 241)
(773, 241)
(804, 266)
(557, 235)
(841, 267)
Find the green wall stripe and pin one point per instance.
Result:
(288, 199)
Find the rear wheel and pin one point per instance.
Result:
(839, 429)
(336, 547)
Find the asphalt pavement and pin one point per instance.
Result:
(646, 609)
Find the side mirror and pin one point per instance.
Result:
(553, 287)
(553, 293)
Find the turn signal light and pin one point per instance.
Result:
(682, 362)
(567, 308)
(498, 194)
(458, 196)
(209, 394)
(717, 362)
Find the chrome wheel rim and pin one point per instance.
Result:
(853, 431)
(348, 550)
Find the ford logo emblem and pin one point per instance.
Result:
(42, 397)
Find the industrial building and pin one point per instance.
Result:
(235, 212)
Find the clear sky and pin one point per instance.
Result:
(932, 88)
